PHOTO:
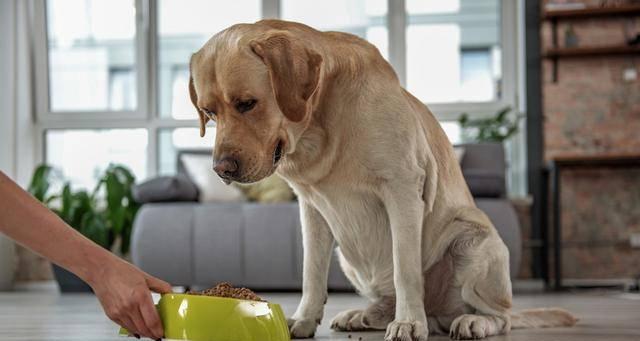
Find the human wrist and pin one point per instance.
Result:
(95, 263)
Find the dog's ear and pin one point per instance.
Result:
(194, 99)
(294, 70)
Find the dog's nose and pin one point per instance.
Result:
(226, 167)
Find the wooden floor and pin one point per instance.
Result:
(49, 316)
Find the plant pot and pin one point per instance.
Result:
(69, 282)
(7, 263)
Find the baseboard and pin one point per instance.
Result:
(594, 282)
(37, 286)
(527, 285)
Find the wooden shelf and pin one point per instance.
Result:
(595, 157)
(590, 12)
(581, 52)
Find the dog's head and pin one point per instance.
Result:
(254, 84)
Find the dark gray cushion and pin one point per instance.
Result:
(166, 188)
(483, 183)
(483, 166)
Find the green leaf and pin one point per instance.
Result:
(497, 128)
(94, 227)
(40, 182)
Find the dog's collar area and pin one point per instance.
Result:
(277, 152)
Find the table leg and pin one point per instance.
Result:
(557, 227)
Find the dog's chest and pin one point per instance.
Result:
(358, 221)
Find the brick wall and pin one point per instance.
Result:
(592, 110)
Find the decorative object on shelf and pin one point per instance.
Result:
(570, 37)
(497, 128)
(619, 9)
(105, 215)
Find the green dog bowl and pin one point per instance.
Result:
(206, 318)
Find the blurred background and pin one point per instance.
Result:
(541, 99)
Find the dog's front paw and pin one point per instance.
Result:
(407, 331)
(302, 328)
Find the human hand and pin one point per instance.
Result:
(125, 294)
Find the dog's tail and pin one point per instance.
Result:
(542, 318)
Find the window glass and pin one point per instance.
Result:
(453, 131)
(172, 141)
(182, 30)
(83, 155)
(91, 55)
(453, 50)
(364, 18)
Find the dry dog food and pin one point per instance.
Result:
(225, 289)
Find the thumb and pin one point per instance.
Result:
(158, 285)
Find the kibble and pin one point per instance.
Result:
(225, 289)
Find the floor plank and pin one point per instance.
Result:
(52, 317)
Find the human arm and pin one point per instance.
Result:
(123, 289)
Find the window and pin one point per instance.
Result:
(172, 141)
(466, 36)
(84, 154)
(87, 48)
(112, 76)
(364, 18)
(182, 30)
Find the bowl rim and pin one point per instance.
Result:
(205, 297)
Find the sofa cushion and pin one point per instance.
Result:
(165, 188)
(210, 186)
(483, 183)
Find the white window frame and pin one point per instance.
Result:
(147, 114)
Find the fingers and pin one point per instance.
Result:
(151, 318)
(137, 314)
(158, 285)
(140, 325)
(127, 324)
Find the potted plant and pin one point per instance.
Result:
(497, 128)
(104, 215)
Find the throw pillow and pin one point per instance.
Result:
(210, 186)
(165, 188)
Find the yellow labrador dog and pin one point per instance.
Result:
(374, 172)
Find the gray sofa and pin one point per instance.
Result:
(259, 245)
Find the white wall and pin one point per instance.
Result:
(17, 133)
(7, 120)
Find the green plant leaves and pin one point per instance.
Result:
(104, 216)
(497, 128)
(40, 182)
(94, 226)
(121, 208)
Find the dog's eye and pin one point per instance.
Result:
(244, 106)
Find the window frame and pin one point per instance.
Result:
(147, 113)
(41, 60)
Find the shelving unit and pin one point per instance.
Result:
(577, 52)
(590, 12)
(556, 52)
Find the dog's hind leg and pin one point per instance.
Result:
(486, 288)
(375, 317)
